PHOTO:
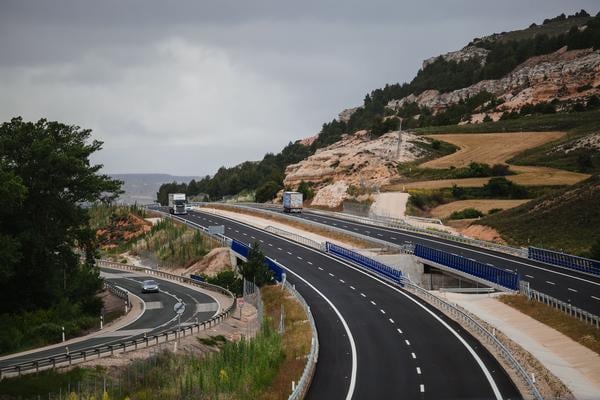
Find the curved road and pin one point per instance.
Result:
(377, 341)
(580, 289)
(158, 314)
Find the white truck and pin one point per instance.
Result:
(292, 202)
(177, 203)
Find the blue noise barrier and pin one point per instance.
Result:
(501, 277)
(564, 260)
(244, 250)
(366, 262)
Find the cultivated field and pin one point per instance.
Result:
(484, 206)
(489, 148)
(495, 148)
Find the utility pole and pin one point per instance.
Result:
(399, 139)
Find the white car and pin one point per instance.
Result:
(150, 286)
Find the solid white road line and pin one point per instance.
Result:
(594, 297)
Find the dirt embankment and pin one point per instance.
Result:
(121, 229)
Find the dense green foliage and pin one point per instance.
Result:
(45, 176)
(246, 176)
(467, 213)
(567, 220)
(475, 170)
(229, 280)
(254, 269)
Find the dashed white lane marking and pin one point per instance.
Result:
(252, 237)
(309, 263)
(280, 249)
(382, 311)
(379, 234)
(372, 302)
(529, 276)
(289, 252)
(367, 232)
(244, 233)
(270, 244)
(236, 231)
(227, 227)
(594, 297)
(399, 331)
(320, 269)
(355, 229)
(299, 258)
(572, 290)
(341, 280)
(407, 342)
(364, 295)
(550, 283)
(393, 238)
(391, 321)
(345, 226)
(413, 355)
(330, 274)
(422, 387)
(352, 287)
(418, 370)
(260, 240)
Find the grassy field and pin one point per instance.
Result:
(584, 334)
(444, 210)
(490, 148)
(575, 124)
(568, 219)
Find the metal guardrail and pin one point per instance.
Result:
(570, 261)
(301, 388)
(117, 291)
(560, 305)
(75, 357)
(296, 238)
(490, 337)
(365, 262)
(521, 252)
(489, 273)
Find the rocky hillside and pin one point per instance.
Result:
(564, 77)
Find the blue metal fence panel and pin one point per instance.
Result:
(244, 250)
(490, 273)
(196, 277)
(240, 248)
(564, 260)
(364, 261)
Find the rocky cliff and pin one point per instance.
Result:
(356, 160)
(563, 75)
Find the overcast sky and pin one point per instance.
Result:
(184, 87)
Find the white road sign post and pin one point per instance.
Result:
(179, 308)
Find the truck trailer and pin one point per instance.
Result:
(177, 203)
(292, 202)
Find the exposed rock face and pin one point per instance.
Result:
(345, 115)
(560, 75)
(591, 142)
(309, 140)
(464, 54)
(354, 160)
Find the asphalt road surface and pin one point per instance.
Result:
(376, 341)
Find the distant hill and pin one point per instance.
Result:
(142, 188)
(567, 220)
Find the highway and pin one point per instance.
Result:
(580, 289)
(376, 340)
(158, 314)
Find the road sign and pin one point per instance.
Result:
(179, 308)
(240, 301)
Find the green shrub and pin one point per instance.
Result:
(467, 213)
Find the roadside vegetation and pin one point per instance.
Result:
(48, 278)
(413, 172)
(567, 219)
(581, 332)
(261, 367)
